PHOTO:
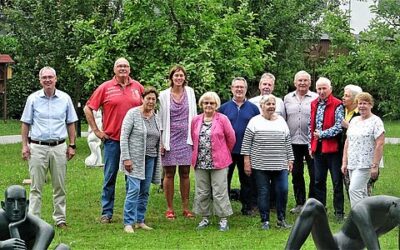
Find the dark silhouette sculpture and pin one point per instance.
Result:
(18, 229)
(368, 219)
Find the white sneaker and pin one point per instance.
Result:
(129, 229)
(203, 224)
(223, 225)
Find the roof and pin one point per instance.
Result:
(6, 59)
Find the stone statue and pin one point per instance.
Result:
(18, 229)
(95, 159)
(368, 219)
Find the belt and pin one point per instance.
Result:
(51, 144)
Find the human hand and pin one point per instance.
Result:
(26, 152)
(290, 166)
(70, 153)
(344, 169)
(374, 172)
(128, 165)
(311, 154)
(247, 168)
(345, 124)
(162, 150)
(13, 243)
(317, 134)
(101, 135)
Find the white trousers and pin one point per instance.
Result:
(44, 159)
(358, 184)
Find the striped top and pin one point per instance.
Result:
(267, 143)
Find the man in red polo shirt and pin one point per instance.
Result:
(115, 97)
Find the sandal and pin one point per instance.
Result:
(170, 215)
(188, 214)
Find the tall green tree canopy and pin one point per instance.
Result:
(371, 60)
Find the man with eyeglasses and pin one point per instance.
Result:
(48, 119)
(239, 111)
(115, 97)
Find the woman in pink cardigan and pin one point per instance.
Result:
(213, 139)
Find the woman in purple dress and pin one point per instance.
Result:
(177, 108)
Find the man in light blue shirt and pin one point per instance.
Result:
(48, 119)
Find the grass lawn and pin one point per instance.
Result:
(83, 211)
(13, 127)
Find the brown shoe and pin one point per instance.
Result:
(105, 220)
(62, 225)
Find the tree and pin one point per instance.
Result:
(213, 41)
(292, 28)
(44, 35)
(371, 60)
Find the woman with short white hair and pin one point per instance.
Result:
(213, 140)
(268, 156)
(351, 111)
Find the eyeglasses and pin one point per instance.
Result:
(47, 77)
(208, 103)
(122, 66)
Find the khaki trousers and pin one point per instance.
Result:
(44, 159)
(212, 188)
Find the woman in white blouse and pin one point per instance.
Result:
(363, 148)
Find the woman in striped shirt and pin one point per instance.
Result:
(268, 155)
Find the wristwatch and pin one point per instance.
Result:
(73, 146)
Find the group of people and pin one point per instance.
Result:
(265, 137)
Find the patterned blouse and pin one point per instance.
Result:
(361, 136)
(204, 158)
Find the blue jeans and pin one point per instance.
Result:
(264, 180)
(138, 194)
(111, 165)
(323, 163)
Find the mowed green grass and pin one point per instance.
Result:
(83, 211)
(13, 127)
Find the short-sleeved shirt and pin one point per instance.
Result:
(298, 112)
(115, 102)
(361, 136)
(48, 116)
